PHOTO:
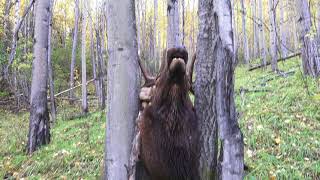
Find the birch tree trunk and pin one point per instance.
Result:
(261, 34)
(183, 22)
(231, 160)
(6, 24)
(234, 27)
(18, 22)
(255, 30)
(245, 38)
(309, 48)
(214, 93)
(273, 36)
(74, 48)
(173, 31)
(39, 127)
(318, 18)
(93, 62)
(123, 87)
(50, 70)
(204, 90)
(283, 31)
(155, 32)
(100, 71)
(83, 58)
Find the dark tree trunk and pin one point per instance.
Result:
(205, 89)
(214, 93)
(39, 127)
(310, 46)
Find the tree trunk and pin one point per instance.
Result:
(245, 38)
(231, 154)
(50, 70)
(205, 91)
(318, 18)
(74, 48)
(183, 22)
(255, 30)
(83, 58)
(123, 87)
(15, 34)
(93, 60)
(309, 48)
(283, 31)
(100, 72)
(173, 31)
(6, 24)
(273, 36)
(155, 33)
(234, 27)
(39, 127)
(261, 34)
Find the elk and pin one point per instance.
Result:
(168, 124)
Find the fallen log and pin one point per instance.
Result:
(279, 60)
(65, 91)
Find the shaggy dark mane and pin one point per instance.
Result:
(169, 127)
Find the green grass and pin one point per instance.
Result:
(76, 149)
(281, 127)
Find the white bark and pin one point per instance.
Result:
(283, 30)
(273, 36)
(234, 27)
(310, 46)
(255, 29)
(261, 34)
(50, 70)
(123, 86)
(83, 57)
(173, 30)
(318, 18)
(16, 33)
(39, 130)
(74, 47)
(245, 38)
(232, 151)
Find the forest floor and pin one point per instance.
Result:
(279, 117)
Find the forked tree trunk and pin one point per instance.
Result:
(83, 58)
(74, 48)
(173, 31)
(273, 36)
(214, 93)
(231, 160)
(39, 128)
(205, 98)
(123, 87)
(310, 46)
(245, 38)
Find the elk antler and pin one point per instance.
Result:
(150, 80)
(190, 71)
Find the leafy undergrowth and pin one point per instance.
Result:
(279, 116)
(76, 149)
(280, 120)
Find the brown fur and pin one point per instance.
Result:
(169, 126)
